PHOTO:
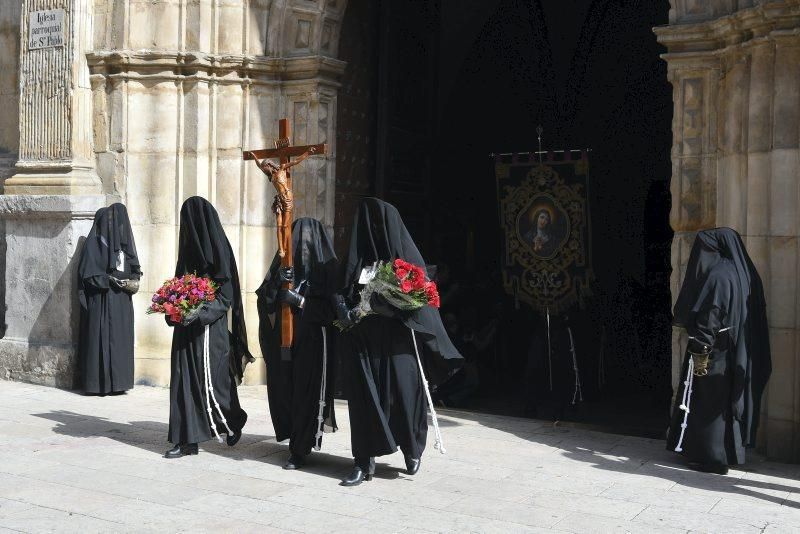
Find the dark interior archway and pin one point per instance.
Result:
(472, 77)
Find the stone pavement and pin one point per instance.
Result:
(70, 463)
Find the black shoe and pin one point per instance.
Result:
(356, 477)
(295, 461)
(234, 438)
(412, 465)
(179, 451)
(717, 469)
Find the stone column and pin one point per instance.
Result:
(55, 112)
(749, 178)
(50, 199)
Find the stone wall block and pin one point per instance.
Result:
(781, 439)
(199, 25)
(781, 393)
(151, 188)
(154, 24)
(153, 109)
(783, 281)
(260, 246)
(257, 20)
(762, 87)
(784, 201)
(786, 108)
(733, 104)
(732, 189)
(230, 14)
(229, 127)
(157, 246)
(228, 198)
(757, 197)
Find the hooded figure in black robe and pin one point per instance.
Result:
(300, 384)
(386, 399)
(197, 397)
(105, 346)
(721, 305)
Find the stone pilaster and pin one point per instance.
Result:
(739, 62)
(55, 139)
(51, 197)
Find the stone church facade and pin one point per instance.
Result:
(150, 101)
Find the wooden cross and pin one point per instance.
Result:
(283, 205)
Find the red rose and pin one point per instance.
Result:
(418, 277)
(401, 273)
(406, 286)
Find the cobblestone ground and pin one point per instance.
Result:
(90, 464)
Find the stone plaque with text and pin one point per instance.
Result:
(46, 29)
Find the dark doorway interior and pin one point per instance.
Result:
(432, 88)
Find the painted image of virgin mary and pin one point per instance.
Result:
(546, 231)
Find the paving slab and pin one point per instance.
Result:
(72, 463)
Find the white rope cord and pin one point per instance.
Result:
(578, 392)
(322, 386)
(210, 389)
(687, 399)
(438, 444)
(549, 351)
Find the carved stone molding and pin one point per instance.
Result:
(223, 69)
(767, 20)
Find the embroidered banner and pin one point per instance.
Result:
(544, 212)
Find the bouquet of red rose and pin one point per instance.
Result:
(181, 296)
(400, 284)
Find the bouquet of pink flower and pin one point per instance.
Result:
(400, 284)
(180, 296)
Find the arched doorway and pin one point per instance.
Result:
(478, 77)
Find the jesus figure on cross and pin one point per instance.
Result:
(284, 200)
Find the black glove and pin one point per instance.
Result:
(344, 315)
(290, 297)
(286, 275)
(116, 282)
(190, 317)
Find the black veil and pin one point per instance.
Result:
(203, 248)
(110, 234)
(719, 255)
(314, 262)
(380, 234)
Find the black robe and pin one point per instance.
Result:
(105, 345)
(721, 305)
(385, 396)
(203, 249)
(294, 386)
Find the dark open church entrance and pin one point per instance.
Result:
(431, 89)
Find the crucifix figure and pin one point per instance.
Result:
(283, 205)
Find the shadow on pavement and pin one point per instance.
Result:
(646, 457)
(151, 437)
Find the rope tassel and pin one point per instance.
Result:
(687, 399)
(438, 444)
(210, 390)
(322, 387)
